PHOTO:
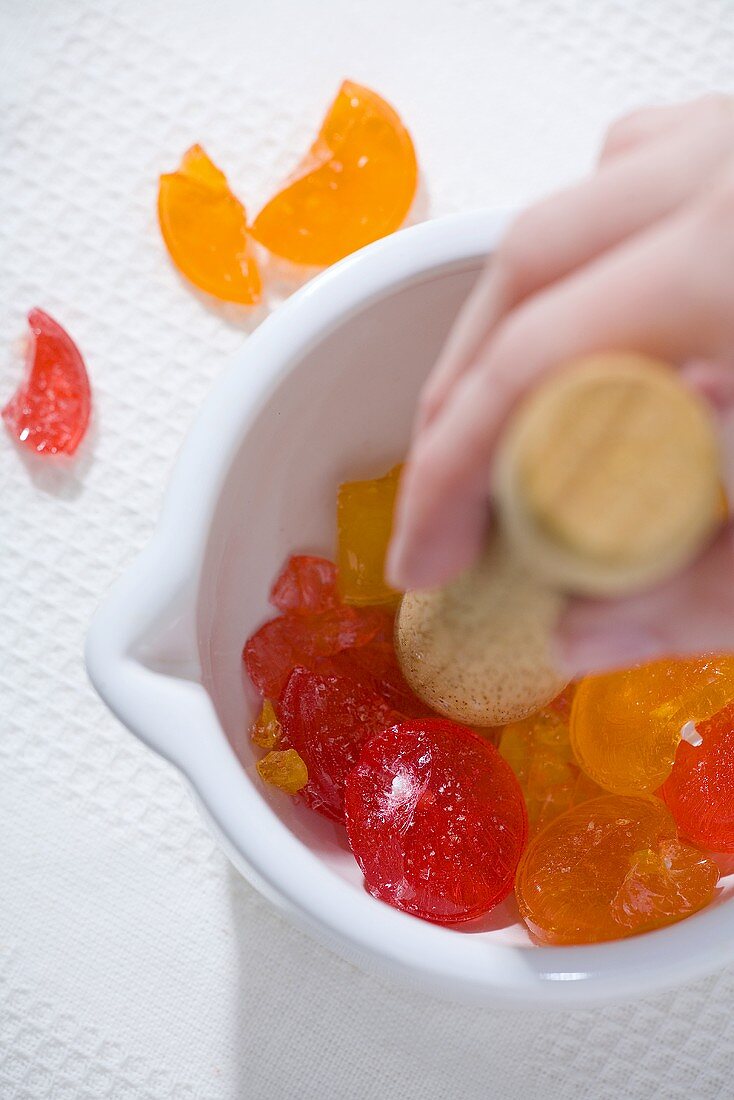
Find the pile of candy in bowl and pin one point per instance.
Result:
(603, 811)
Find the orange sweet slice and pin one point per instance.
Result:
(355, 184)
(205, 230)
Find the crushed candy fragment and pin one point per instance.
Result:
(355, 184)
(664, 886)
(49, 411)
(607, 869)
(626, 726)
(538, 749)
(700, 788)
(265, 731)
(283, 768)
(378, 660)
(307, 584)
(436, 820)
(364, 518)
(281, 644)
(328, 718)
(205, 230)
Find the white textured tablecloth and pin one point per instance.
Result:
(134, 963)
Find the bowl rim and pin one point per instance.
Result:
(164, 703)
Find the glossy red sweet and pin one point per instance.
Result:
(294, 638)
(436, 820)
(700, 789)
(307, 584)
(49, 411)
(327, 719)
(377, 659)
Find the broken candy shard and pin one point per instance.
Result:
(356, 184)
(306, 584)
(204, 227)
(265, 731)
(49, 411)
(284, 769)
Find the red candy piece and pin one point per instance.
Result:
(307, 584)
(327, 719)
(49, 411)
(700, 789)
(274, 650)
(378, 661)
(436, 820)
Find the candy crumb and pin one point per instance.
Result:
(265, 731)
(284, 769)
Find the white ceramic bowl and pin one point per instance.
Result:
(324, 390)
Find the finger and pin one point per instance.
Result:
(560, 234)
(691, 614)
(667, 292)
(714, 381)
(477, 317)
(648, 124)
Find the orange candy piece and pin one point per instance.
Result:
(609, 869)
(364, 512)
(538, 749)
(284, 769)
(626, 726)
(205, 230)
(356, 184)
(266, 731)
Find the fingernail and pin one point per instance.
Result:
(580, 652)
(407, 569)
(394, 571)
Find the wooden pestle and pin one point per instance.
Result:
(607, 481)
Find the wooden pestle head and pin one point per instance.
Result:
(608, 477)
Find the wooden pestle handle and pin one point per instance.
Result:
(608, 477)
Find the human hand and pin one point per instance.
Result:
(638, 258)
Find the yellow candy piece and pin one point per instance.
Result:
(364, 513)
(538, 749)
(626, 726)
(284, 769)
(265, 731)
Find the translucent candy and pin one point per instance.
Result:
(610, 868)
(49, 411)
(265, 730)
(626, 726)
(356, 184)
(664, 886)
(284, 769)
(307, 584)
(364, 518)
(700, 788)
(377, 659)
(538, 749)
(281, 644)
(436, 820)
(328, 718)
(205, 230)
